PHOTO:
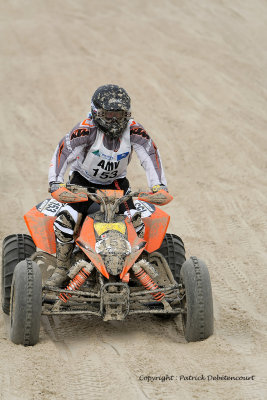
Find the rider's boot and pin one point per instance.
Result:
(59, 276)
(64, 230)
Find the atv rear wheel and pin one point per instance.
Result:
(197, 304)
(26, 303)
(15, 248)
(173, 250)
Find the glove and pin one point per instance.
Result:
(156, 188)
(53, 186)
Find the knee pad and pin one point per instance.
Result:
(64, 224)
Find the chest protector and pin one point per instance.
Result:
(104, 166)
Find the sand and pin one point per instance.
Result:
(196, 73)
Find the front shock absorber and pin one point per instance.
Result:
(147, 282)
(76, 282)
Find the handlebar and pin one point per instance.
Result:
(97, 197)
(71, 193)
(101, 197)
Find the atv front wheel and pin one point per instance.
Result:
(26, 303)
(197, 303)
(15, 249)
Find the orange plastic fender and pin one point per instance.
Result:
(41, 230)
(155, 229)
(86, 241)
(63, 195)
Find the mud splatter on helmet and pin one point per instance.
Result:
(110, 109)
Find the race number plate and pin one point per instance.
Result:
(49, 207)
(144, 208)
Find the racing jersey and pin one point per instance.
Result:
(101, 159)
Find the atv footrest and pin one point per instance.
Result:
(115, 301)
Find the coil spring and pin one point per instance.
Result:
(149, 284)
(75, 284)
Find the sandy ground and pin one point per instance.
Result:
(196, 72)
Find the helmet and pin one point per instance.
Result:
(110, 109)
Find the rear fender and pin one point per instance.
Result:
(155, 229)
(41, 230)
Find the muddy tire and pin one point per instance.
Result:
(173, 250)
(197, 304)
(15, 249)
(26, 303)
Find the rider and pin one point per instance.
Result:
(98, 151)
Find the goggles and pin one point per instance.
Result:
(110, 115)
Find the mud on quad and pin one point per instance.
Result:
(114, 272)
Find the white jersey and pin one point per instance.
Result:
(101, 159)
(102, 165)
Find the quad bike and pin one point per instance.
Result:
(114, 272)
